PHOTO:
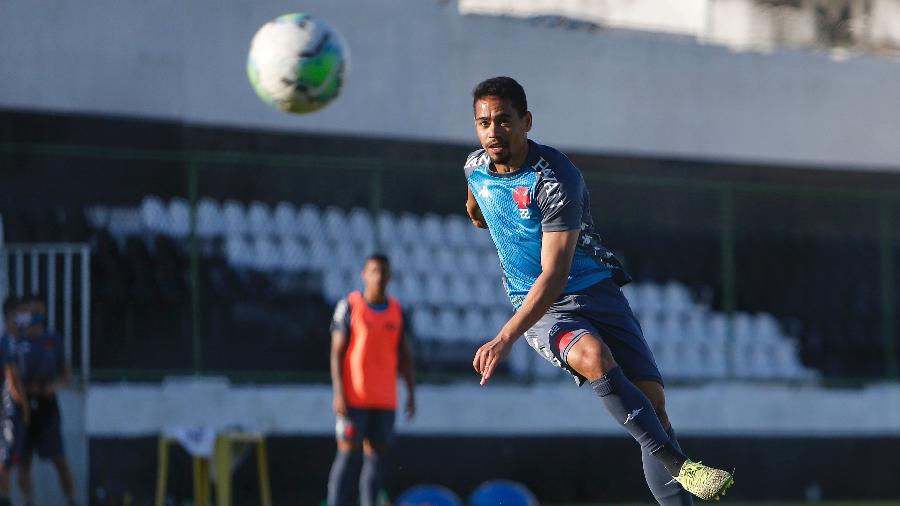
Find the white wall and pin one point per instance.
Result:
(415, 62)
(550, 408)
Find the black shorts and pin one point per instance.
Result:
(376, 425)
(44, 432)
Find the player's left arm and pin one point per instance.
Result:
(557, 250)
(407, 368)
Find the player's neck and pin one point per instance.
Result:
(515, 162)
(374, 297)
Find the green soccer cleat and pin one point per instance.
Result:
(703, 481)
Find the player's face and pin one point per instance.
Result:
(503, 133)
(376, 276)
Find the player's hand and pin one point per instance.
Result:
(410, 407)
(475, 215)
(339, 404)
(489, 356)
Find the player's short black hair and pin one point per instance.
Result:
(379, 257)
(9, 305)
(503, 87)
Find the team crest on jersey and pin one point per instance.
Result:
(522, 199)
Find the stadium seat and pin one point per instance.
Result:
(676, 297)
(446, 261)
(436, 289)
(235, 218)
(125, 222)
(432, 229)
(387, 229)
(210, 222)
(361, 228)
(421, 259)
(179, 222)
(320, 255)
(408, 229)
(335, 223)
(474, 324)
(412, 288)
(266, 255)
(670, 326)
(238, 252)
(259, 219)
(695, 325)
(294, 256)
(285, 220)
(154, 215)
(467, 261)
(455, 228)
(423, 324)
(447, 325)
(490, 263)
(309, 222)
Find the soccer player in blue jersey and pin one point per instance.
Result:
(44, 371)
(565, 287)
(14, 407)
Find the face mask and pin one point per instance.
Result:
(23, 319)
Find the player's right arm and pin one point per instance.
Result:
(340, 332)
(17, 390)
(338, 350)
(474, 211)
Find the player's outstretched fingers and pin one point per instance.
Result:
(488, 369)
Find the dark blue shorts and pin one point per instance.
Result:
(44, 433)
(602, 311)
(12, 432)
(376, 425)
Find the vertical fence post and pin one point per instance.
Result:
(85, 314)
(729, 281)
(375, 204)
(195, 266)
(886, 252)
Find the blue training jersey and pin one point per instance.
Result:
(41, 359)
(546, 194)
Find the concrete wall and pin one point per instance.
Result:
(415, 62)
(720, 409)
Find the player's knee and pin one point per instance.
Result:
(590, 357)
(374, 447)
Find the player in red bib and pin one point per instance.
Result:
(368, 349)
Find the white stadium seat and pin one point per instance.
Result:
(154, 216)
(294, 256)
(210, 222)
(238, 252)
(235, 218)
(179, 222)
(285, 220)
(259, 219)
(310, 223)
(335, 222)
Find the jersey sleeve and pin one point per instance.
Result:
(560, 197)
(475, 159)
(341, 319)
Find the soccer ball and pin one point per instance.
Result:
(297, 63)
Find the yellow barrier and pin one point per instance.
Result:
(222, 457)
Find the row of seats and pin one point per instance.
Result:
(232, 218)
(447, 274)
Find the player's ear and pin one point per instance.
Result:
(527, 121)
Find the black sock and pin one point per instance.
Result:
(370, 479)
(666, 491)
(631, 408)
(339, 480)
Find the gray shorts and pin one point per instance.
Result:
(602, 311)
(376, 425)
